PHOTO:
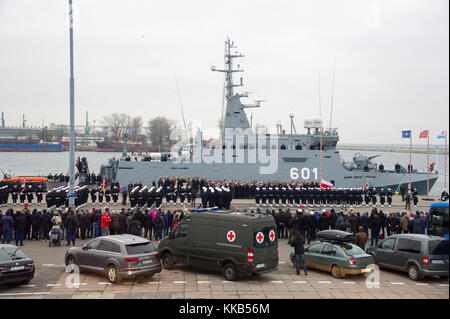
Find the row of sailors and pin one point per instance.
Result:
(211, 196)
(319, 196)
(22, 195)
(57, 197)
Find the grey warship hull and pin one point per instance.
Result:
(310, 157)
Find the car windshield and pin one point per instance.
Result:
(351, 250)
(11, 254)
(438, 247)
(141, 248)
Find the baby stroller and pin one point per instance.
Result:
(55, 236)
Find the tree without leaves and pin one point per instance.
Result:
(159, 130)
(135, 127)
(117, 124)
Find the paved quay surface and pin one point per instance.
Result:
(189, 282)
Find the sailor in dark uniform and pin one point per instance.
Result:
(29, 194)
(290, 192)
(204, 196)
(108, 196)
(158, 196)
(227, 197)
(284, 195)
(263, 195)
(210, 196)
(134, 196)
(257, 195)
(382, 197)
(168, 193)
(101, 193)
(415, 198)
(270, 194)
(174, 196)
(297, 195)
(14, 197)
(367, 198)
(389, 197)
(373, 196)
(276, 195)
(219, 197)
(93, 195)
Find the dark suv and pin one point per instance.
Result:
(118, 256)
(418, 255)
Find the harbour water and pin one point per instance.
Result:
(34, 164)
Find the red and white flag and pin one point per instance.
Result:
(366, 185)
(104, 185)
(326, 184)
(424, 134)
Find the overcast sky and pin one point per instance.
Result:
(391, 56)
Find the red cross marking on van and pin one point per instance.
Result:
(272, 235)
(231, 235)
(259, 237)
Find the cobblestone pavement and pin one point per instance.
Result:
(189, 282)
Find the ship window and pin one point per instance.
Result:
(298, 147)
(283, 147)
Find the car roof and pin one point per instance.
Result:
(126, 239)
(417, 237)
(439, 204)
(8, 247)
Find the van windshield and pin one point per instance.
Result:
(438, 247)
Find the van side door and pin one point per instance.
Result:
(181, 241)
(202, 250)
(385, 252)
(406, 250)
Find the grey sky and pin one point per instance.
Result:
(391, 61)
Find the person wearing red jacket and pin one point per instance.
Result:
(105, 223)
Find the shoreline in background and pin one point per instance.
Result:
(392, 149)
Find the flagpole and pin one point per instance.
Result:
(428, 163)
(410, 161)
(321, 136)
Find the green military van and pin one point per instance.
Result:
(236, 243)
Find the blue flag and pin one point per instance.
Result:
(443, 134)
(406, 134)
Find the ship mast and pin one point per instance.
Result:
(233, 104)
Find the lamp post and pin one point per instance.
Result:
(72, 115)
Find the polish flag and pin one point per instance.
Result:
(424, 134)
(366, 185)
(326, 184)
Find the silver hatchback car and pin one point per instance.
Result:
(118, 256)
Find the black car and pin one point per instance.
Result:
(15, 266)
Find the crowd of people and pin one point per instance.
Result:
(37, 224)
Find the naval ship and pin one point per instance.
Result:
(242, 154)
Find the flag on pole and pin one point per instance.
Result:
(406, 134)
(104, 185)
(326, 184)
(424, 134)
(442, 135)
(366, 185)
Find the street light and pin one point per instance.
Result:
(71, 194)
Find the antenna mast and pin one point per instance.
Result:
(181, 106)
(332, 95)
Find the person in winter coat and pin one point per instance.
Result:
(19, 226)
(105, 223)
(375, 227)
(148, 225)
(299, 250)
(45, 224)
(159, 223)
(134, 225)
(404, 223)
(324, 221)
(114, 223)
(122, 223)
(333, 218)
(361, 238)
(7, 226)
(85, 223)
(71, 227)
(345, 225)
(365, 222)
(35, 224)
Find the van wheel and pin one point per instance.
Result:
(230, 272)
(336, 272)
(112, 273)
(167, 261)
(413, 272)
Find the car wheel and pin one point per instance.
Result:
(167, 261)
(336, 272)
(112, 273)
(230, 272)
(414, 273)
